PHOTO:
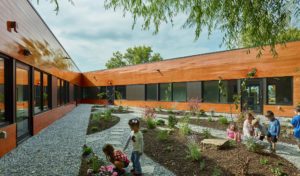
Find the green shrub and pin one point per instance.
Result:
(95, 163)
(193, 152)
(151, 124)
(186, 118)
(96, 116)
(278, 172)
(232, 143)
(223, 121)
(163, 135)
(170, 112)
(206, 133)
(107, 115)
(172, 121)
(216, 172)
(160, 122)
(253, 146)
(264, 161)
(87, 150)
(120, 109)
(94, 129)
(184, 129)
(210, 119)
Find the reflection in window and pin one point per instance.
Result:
(228, 92)
(211, 91)
(179, 92)
(165, 92)
(45, 91)
(37, 92)
(280, 90)
(135, 92)
(2, 104)
(120, 92)
(151, 92)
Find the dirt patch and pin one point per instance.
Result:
(172, 154)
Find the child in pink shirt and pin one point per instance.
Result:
(233, 132)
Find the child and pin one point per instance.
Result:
(117, 158)
(259, 130)
(273, 130)
(296, 124)
(233, 132)
(248, 130)
(136, 137)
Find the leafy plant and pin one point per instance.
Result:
(216, 172)
(202, 165)
(263, 161)
(253, 146)
(95, 163)
(278, 172)
(86, 150)
(151, 124)
(120, 109)
(210, 119)
(206, 133)
(193, 152)
(185, 129)
(223, 121)
(162, 135)
(107, 115)
(96, 116)
(170, 112)
(172, 121)
(232, 143)
(160, 122)
(101, 95)
(94, 129)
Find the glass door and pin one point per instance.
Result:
(110, 94)
(22, 101)
(252, 96)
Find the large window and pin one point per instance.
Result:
(228, 91)
(165, 92)
(152, 92)
(280, 90)
(194, 90)
(66, 90)
(2, 93)
(37, 92)
(120, 92)
(59, 92)
(211, 91)
(179, 92)
(94, 93)
(135, 92)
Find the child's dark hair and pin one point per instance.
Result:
(297, 109)
(108, 149)
(235, 126)
(270, 114)
(134, 122)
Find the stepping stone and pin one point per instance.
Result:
(114, 142)
(219, 143)
(148, 169)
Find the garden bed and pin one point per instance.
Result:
(101, 121)
(172, 154)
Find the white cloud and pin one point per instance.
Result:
(90, 34)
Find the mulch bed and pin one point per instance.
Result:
(172, 155)
(287, 138)
(85, 165)
(97, 126)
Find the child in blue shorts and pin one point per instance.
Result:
(273, 130)
(296, 124)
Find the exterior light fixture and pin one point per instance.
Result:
(3, 135)
(158, 70)
(12, 25)
(109, 82)
(25, 52)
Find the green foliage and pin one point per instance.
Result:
(160, 122)
(253, 146)
(107, 115)
(232, 143)
(170, 112)
(86, 150)
(96, 116)
(94, 129)
(133, 56)
(263, 161)
(101, 95)
(216, 172)
(120, 108)
(95, 163)
(206, 133)
(223, 121)
(172, 121)
(278, 172)
(184, 129)
(162, 135)
(210, 119)
(193, 152)
(264, 22)
(202, 165)
(151, 124)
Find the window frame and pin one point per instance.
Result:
(186, 93)
(279, 104)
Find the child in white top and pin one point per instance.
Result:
(136, 137)
(248, 130)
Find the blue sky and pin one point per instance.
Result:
(90, 34)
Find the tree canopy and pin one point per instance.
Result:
(133, 56)
(261, 20)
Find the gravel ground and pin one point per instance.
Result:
(117, 136)
(55, 151)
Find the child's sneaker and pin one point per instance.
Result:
(132, 171)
